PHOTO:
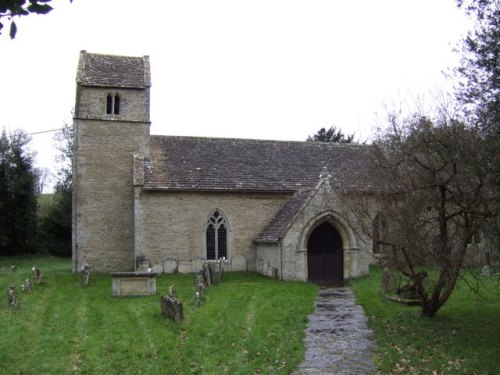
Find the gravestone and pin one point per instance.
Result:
(391, 281)
(157, 268)
(11, 295)
(171, 306)
(26, 286)
(197, 264)
(142, 263)
(37, 275)
(208, 274)
(184, 267)
(239, 263)
(85, 275)
(170, 266)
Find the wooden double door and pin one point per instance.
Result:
(325, 255)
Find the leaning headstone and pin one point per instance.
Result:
(172, 308)
(11, 295)
(37, 275)
(85, 275)
(208, 274)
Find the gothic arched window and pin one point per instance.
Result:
(216, 236)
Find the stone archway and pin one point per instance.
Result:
(325, 255)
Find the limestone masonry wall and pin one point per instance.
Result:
(174, 222)
(103, 192)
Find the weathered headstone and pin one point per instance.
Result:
(208, 274)
(85, 275)
(2, 271)
(11, 295)
(171, 292)
(37, 275)
(184, 267)
(197, 264)
(170, 266)
(13, 268)
(172, 308)
(390, 281)
(142, 263)
(26, 286)
(157, 268)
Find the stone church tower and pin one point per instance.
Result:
(111, 123)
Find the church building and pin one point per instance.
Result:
(274, 207)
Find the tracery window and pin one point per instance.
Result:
(216, 236)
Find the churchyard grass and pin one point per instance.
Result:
(463, 338)
(247, 324)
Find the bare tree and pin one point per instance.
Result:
(439, 191)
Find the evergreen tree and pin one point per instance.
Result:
(331, 135)
(18, 200)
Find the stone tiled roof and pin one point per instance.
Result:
(222, 164)
(113, 71)
(276, 229)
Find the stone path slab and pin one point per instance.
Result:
(338, 340)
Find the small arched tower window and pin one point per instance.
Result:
(109, 104)
(117, 105)
(113, 104)
(216, 236)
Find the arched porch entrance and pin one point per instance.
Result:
(325, 255)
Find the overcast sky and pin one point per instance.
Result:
(248, 69)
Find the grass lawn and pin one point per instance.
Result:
(463, 338)
(247, 324)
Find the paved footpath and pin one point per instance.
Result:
(338, 341)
